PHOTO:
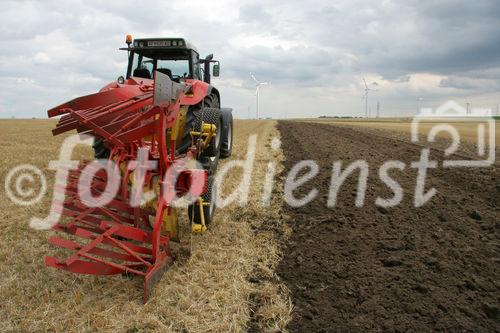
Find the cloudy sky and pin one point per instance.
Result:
(315, 53)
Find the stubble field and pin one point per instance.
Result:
(226, 285)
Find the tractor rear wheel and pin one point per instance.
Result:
(209, 157)
(226, 148)
(210, 197)
(213, 117)
(210, 101)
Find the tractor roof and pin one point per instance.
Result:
(161, 43)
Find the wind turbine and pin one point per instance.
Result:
(258, 84)
(366, 96)
(419, 100)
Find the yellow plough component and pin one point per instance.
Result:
(171, 224)
(207, 133)
(200, 228)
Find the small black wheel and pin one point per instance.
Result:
(209, 163)
(100, 151)
(210, 197)
(226, 148)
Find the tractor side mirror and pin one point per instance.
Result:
(216, 70)
(209, 57)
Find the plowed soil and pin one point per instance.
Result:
(433, 268)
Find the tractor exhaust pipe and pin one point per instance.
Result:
(206, 69)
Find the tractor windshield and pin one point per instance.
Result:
(174, 65)
(177, 67)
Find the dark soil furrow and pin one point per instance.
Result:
(351, 268)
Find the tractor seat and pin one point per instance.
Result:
(165, 71)
(142, 72)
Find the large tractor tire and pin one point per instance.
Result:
(214, 117)
(209, 157)
(210, 196)
(226, 148)
(210, 101)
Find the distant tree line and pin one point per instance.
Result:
(339, 117)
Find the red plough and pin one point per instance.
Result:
(158, 131)
(120, 238)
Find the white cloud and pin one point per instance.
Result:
(41, 58)
(25, 80)
(315, 53)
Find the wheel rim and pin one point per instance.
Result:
(218, 135)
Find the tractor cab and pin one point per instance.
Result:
(174, 57)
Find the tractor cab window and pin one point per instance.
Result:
(175, 65)
(174, 68)
(142, 66)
